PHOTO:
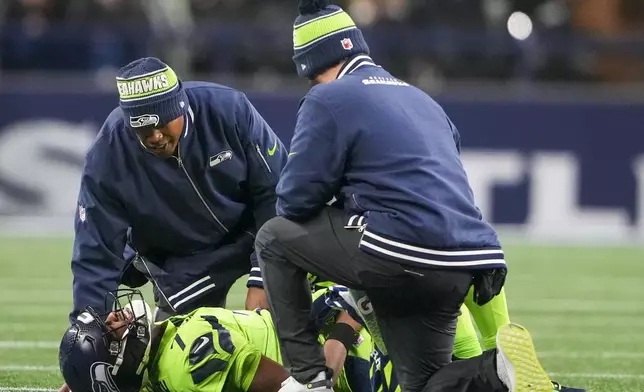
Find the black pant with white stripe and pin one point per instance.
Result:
(417, 307)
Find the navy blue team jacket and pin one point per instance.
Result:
(390, 155)
(191, 215)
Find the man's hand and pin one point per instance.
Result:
(334, 351)
(64, 388)
(256, 298)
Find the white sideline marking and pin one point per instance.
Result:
(11, 389)
(28, 368)
(22, 344)
(620, 376)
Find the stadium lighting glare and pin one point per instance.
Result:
(519, 26)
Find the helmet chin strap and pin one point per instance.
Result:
(141, 314)
(119, 358)
(144, 308)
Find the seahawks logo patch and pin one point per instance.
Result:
(144, 120)
(219, 158)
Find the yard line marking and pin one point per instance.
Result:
(621, 376)
(582, 311)
(28, 368)
(590, 354)
(18, 389)
(551, 322)
(586, 337)
(22, 344)
(580, 304)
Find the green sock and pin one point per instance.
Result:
(489, 317)
(466, 343)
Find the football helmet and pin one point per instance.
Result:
(108, 353)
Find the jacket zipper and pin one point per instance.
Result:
(259, 151)
(154, 282)
(198, 193)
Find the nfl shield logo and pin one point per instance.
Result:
(347, 44)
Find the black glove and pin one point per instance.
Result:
(132, 277)
(488, 284)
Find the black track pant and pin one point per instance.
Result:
(417, 308)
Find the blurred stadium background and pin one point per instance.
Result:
(547, 94)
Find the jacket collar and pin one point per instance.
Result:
(188, 128)
(189, 123)
(355, 62)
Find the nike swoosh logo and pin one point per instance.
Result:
(271, 152)
(203, 343)
(291, 154)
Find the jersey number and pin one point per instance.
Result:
(204, 347)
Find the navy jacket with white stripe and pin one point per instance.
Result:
(194, 217)
(390, 155)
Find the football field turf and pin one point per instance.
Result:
(583, 305)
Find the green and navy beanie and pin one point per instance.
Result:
(151, 94)
(324, 35)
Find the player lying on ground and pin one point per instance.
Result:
(213, 348)
(210, 349)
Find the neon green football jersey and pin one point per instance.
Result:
(212, 349)
(216, 349)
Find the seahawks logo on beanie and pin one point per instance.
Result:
(145, 120)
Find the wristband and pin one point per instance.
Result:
(343, 333)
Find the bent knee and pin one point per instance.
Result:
(269, 232)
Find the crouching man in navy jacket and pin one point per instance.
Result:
(407, 232)
(183, 174)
